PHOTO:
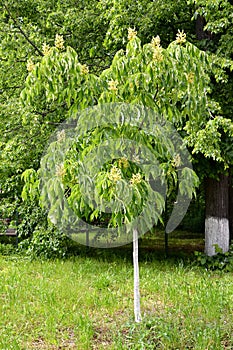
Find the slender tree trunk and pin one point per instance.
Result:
(137, 312)
(217, 213)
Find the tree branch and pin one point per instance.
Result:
(22, 32)
(14, 129)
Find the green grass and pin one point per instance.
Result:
(87, 303)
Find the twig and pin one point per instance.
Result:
(22, 31)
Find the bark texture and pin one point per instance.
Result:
(216, 232)
(200, 32)
(217, 215)
(231, 208)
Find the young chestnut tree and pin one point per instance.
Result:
(174, 83)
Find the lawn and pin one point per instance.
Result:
(86, 303)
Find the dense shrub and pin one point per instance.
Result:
(46, 244)
(7, 249)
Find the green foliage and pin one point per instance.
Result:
(24, 28)
(30, 189)
(7, 249)
(219, 21)
(31, 215)
(173, 82)
(220, 261)
(38, 238)
(45, 244)
(149, 18)
(7, 210)
(96, 30)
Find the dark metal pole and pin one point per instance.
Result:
(165, 232)
(16, 224)
(166, 243)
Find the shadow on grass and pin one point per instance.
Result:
(182, 246)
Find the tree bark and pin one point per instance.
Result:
(217, 215)
(137, 311)
(231, 208)
(200, 32)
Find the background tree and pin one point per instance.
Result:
(214, 30)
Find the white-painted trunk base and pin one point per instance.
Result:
(216, 232)
(137, 311)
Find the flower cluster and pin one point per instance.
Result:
(114, 174)
(84, 69)
(61, 135)
(123, 162)
(176, 161)
(136, 179)
(180, 37)
(136, 158)
(112, 85)
(60, 170)
(59, 42)
(46, 49)
(190, 77)
(155, 41)
(157, 49)
(30, 65)
(157, 54)
(132, 33)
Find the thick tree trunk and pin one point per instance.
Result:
(137, 311)
(231, 208)
(200, 32)
(217, 213)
